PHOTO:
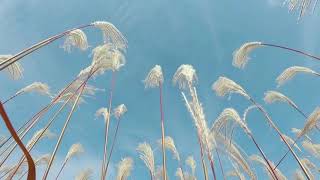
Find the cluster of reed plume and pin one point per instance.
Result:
(214, 141)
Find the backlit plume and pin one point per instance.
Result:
(111, 34)
(224, 86)
(76, 38)
(154, 77)
(15, 70)
(124, 168)
(290, 72)
(185, 76)
(311, 122)
(37, 87)
(146, 155)
(119, 111)
(241, 55)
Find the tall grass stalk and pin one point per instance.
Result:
(224, 86)
(106, 134)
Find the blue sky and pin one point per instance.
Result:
(203, 33)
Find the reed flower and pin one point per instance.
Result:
(124, 168)
(236, 172)
(103, 112)
(192, 164)
(111, 34)
(230, 114)
(84, 174)
(311, 122)
(15, 70)
(241, 55)
(308, 165)
(185, 76)
(146, 155)
(290, 72)
(224, 86)
(260, 160)
(298, 131)
(74, 150)
(43, 160)
(76, 38)
(154, 78)
(169, 144)
(274, 96)
(37, 87)
(38, 135)
(120, 111)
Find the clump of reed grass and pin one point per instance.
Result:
(125, 167)
(311, 122)
(192, 164)
(146, 155)
(313, 149)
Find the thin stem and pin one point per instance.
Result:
(204, 167)
(37, 46)
(104, 172)
(62, 167)
(220, 163)
(31, 165)
(63, 131)
(271, 123)
(113, 144)
(293, 50)
(15, 95)
(212, 166)
(162, 135)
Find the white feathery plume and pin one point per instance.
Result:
(274, 96)
(298, 131)
(111, 34)
(224, 86)
(103, 112)
(84, 174)
(146, 155)
(76, 38)
(260, 160)
(38, 135)
(65, 96)
(185, 76)
(119, 111)
(246, 111)
(311, 148)
(311, 122)
(154, 78)
(74, 150)
(230, 114)
(43, 160)
(291, 142)
(290, 72)
(38, 87)
(298, 175)
(15, 70)
(124, 168)
(88, 89)
(192, 164)
(169, 144)
(241, 55)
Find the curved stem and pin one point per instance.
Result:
(37, 46)
(12, 97)
(293, 50)
(271, 123)
(162, 136)
(31, 165)
(104, 172)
